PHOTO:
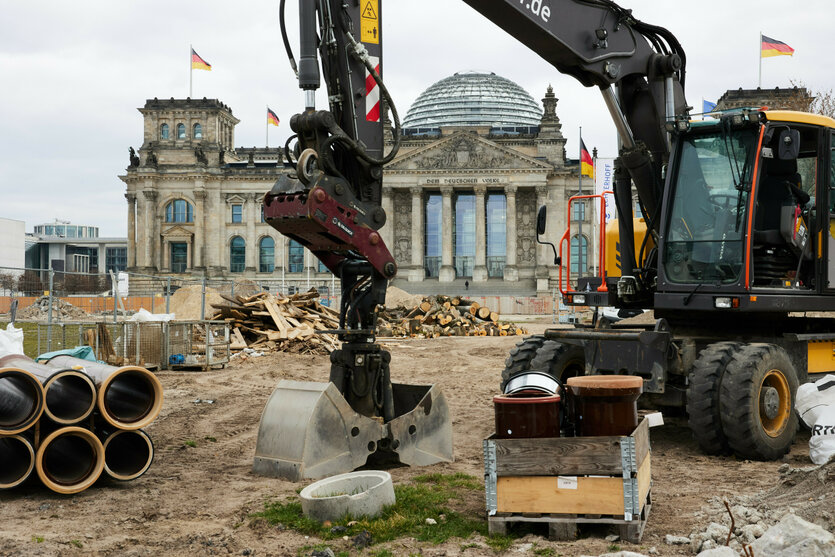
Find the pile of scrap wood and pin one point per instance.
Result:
(444, 316)
(266, 321)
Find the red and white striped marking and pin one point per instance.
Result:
(372, 93)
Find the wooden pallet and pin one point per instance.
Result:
(564, 527)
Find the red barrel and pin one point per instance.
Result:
(605, 404)
(527, 414)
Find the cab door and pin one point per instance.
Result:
(830, 204)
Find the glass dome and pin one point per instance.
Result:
(473, 99)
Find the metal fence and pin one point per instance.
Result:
(60, 296)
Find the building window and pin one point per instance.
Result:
(263, 217)
(116, 259)
(295, 256)
(237, 255)
(181, 131)
(578, 210)
(237, 213)
(464, 236)
(322, 268)
(266, 255)
(434, 237)
(163, 131)
(496, 234)
(179, 210)
(579, 255)
(179, 257)
(197, 131)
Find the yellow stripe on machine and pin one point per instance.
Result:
(821, 356)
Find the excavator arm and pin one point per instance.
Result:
(331, 204)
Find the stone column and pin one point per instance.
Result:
(151, 235)
(250, 215)
(447, 273)
(542, 252)
(218, 228)
(480, 268)
(511, 271)
(199, 228)
(387, 232)
(131, 197)
(416, 273)
(140, 246)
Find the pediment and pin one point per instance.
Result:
(235, 198)
(177, 232)
(466, 151)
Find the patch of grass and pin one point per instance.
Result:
(210, 439)
(429, 497)
(76, 543)
(383, 553)
(190, 443)
(544, 551)
(614, 547)
(500, 543)
(37, 539)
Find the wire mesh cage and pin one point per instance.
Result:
(197, 344)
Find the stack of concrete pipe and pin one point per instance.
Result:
(71, 420)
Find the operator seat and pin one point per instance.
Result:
(774, 195)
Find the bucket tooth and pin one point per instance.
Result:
(422, 434)
(308, 430)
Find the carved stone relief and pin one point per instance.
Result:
(465, 152)
(526, 227)
(402, 228)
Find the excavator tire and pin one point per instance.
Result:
(703, 405)
(757, 396)
(520, 357)
(560, 360)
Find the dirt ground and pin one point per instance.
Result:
(196, 500)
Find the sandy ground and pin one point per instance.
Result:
(196, 501)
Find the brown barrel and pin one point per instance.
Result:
(527, 414)
(604, 404)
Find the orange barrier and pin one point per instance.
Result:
(90, 304)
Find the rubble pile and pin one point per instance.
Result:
(61, 310)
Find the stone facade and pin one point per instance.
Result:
(223, 188)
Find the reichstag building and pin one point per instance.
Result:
(478, 156)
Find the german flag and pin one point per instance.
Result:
(198, 63)
(771, 47)
(271, 117)
(586, 162)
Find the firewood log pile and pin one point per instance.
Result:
(296, 323)
(439, 316)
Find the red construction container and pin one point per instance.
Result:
(604, 404)
(527, 414)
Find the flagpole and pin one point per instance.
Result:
(190, 69)
(267, 127)
(581, 214)
(760, 82)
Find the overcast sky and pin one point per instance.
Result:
(73, 73)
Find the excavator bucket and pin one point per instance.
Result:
(309, 431)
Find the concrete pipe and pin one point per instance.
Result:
(21, 400)
(70, 460)
(18, 458)
(127, 454)
(70, 394)
(129, 397)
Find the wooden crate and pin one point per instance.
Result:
(569, 480)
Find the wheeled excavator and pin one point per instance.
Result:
(734, 237)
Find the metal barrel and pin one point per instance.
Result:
(18, 460)
(69, 460)
(21, 400)
(129, 397)
(127, 454)
(70, 395)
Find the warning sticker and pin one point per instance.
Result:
(370, 22)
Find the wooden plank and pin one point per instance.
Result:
(277, 318)
(541, 494)
(641, 435)
(558, 456)
(644, 479)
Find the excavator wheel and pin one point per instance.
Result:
(757, 402)
(703, 405)
(520, 357)
(560, 360)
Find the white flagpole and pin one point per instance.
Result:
(190, 69)
(268, 127)
(760, 54)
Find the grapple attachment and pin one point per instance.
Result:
(309, 431)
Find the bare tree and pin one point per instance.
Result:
(822, 102)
